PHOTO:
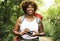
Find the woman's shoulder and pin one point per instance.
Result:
(21, 18)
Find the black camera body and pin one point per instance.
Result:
(30, 33)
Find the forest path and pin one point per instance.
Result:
(45, 39)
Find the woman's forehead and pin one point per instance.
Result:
(30, 5)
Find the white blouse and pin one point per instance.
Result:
(32, 26)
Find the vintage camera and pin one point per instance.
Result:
(30, 33)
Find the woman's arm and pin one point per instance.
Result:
(41, 29)
(16, 28)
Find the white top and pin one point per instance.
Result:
(32, 26)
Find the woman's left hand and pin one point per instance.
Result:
(35, 33)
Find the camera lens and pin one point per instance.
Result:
(30, 33)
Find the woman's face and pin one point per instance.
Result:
(30, 10)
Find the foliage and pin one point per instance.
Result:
(52, 22)
(9, 12)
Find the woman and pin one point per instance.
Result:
(28, 29)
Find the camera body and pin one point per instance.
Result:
(30, 33)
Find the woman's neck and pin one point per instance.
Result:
(29, 16)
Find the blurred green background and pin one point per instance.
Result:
(10, 11)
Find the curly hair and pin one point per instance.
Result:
(25, 4)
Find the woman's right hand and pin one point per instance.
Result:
(24, 31)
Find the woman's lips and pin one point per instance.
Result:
(31, 11)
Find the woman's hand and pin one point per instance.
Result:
(24, 31)
(35, 33)
(38, 34)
